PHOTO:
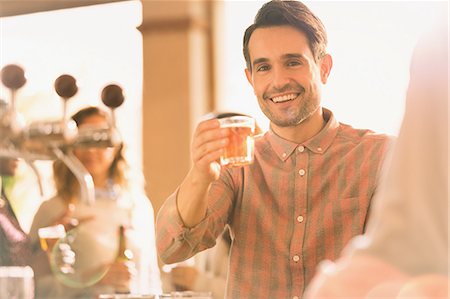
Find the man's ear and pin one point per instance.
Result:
(248, 74)
(326, 63)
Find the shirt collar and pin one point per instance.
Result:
(317, 144)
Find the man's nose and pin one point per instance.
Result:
(280, 78)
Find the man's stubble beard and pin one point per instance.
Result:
(299, 115)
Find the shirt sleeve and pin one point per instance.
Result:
(176, 242)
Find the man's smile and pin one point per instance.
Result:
(284, 98)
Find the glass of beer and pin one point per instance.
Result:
(240, 149)
(48, 236)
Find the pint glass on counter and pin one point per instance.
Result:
(16, 282)
(187, 294)
(240, 149)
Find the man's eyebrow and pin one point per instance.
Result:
(284, 56)
(260, 60)
(293, 55)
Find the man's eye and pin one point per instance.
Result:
(294, 63)
(262, 68)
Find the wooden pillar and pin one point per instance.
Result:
(177, 88)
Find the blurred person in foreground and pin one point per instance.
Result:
(309, 189)
(17, 249)
(405, 252)
(15, 246)
(118, 202)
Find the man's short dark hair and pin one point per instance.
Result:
(292, 13)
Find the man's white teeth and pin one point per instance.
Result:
(284, 98)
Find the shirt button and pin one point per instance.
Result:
(295, 258)
(301, 172)
(295, 297)
(319, 149)
(300, 219)
(301, 148)
(284, 155)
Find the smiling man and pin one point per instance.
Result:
(309, 189)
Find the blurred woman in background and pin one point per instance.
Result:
(119, 201)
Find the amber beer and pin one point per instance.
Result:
(240, 149)
(47, 244)
(48, 236)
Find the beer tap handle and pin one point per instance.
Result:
(12, 123)
(112, 97)
(66, 87)
(13, 77)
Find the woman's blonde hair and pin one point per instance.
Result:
(67, 186)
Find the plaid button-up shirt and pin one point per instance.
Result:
(296, 205)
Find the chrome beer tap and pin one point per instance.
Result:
(41, 140)
(50, 140)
